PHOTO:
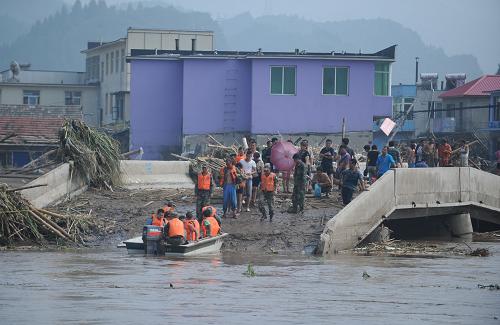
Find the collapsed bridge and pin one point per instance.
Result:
(452, 195)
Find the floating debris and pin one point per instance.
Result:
(489, 286)
(483, 252)
(250, 272)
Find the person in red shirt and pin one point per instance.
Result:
(444, 152)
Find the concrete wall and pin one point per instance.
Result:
(156, 108)
(156, 174)
(309, 110)
(216, 96)
(61, 184)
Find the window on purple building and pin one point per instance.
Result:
(283, 80)
(335, 80)
(382, 74)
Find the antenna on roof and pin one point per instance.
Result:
(156, 51)
(259, 52)
(333, 53)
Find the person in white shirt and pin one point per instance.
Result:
(250, 170)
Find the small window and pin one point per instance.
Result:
(72, 97)
(193, 44)
(335, 80)
(283, 80)
(112, 63)
(382, 79)
(123, 60)
(177, 44)
(107, 63)
(117, 62)
(31, 97)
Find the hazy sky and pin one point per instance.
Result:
(457, 26)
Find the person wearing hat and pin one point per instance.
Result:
(268, 185)
(203, 188)
(299, 185)
(174, 230)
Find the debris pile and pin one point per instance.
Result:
(394, 247)
(95, 154)
(19, 220)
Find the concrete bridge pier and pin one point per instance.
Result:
(460, 226)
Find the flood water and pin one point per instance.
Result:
(104, 287)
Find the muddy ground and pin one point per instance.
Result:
(121, 214)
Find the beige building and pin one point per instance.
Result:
(106, 66)
(36, 89)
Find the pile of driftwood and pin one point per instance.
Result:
(19, 220)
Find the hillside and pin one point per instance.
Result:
(55, 42)
(289, 32)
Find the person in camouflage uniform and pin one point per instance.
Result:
(202, 191)
(299, 185)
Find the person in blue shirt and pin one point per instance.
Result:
(384, 162)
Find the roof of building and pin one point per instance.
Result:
(35, 125)
(387, 54)
(93, 46)
(482, 86)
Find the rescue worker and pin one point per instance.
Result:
(268, 186)
(157, 219)
(210, 226)
(240, 155)
(169, 207)
(299, 185)
(213, 213)
(192, 227)
(174, 231)
(203, 189)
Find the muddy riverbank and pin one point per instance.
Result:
(120, 215)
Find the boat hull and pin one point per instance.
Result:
(206, 246)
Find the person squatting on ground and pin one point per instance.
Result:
(268, 185)
(228, 181)
(323, 180)
(203, 189)
(351, 179)
(299, 185)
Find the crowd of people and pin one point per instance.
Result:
(249, 180)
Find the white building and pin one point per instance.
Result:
(40, 88)
(106, 66)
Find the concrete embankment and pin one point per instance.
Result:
(416, 193)
(64, 182)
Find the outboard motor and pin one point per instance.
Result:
(152, 236)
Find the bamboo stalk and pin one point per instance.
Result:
(50, 213)
(53, 224)
(48, 226)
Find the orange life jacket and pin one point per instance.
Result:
(267, 182)
(214, 210)
(233, 175)
(166, 209)
(176, 228)
(204, 181)
(214, 227)
(191, 235)
(157, 221)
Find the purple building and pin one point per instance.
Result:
(178, 97)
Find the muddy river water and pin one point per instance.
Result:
(111, 287)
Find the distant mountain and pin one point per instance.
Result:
(11, 29)
(56, 42)
(285, 33)
(29, 11)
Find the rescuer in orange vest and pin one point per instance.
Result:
(192, 227)
(158, 219)
(169, 207)
(203, 189)
(174, 230)
(210, 225)
(268, 182)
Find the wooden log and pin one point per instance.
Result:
(46, 225)
(7, 137)
(53, 224)
(50, 213)
(24, 188)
